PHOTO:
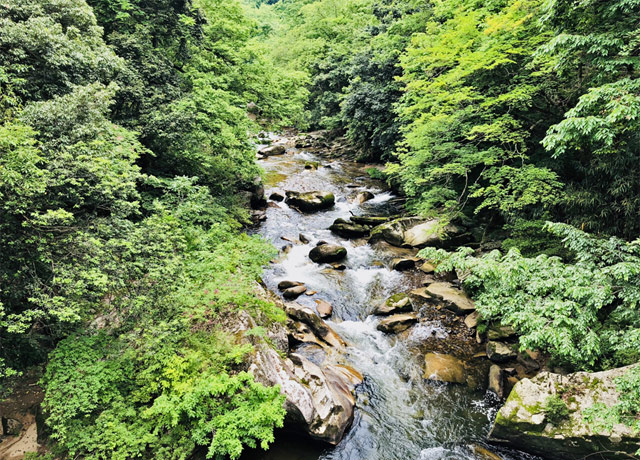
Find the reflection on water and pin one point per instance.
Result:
(399, 414)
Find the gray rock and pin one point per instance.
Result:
(395, 324)
(397, 303)
(499, 352)
(317, 326)
(498, 331)
(294, 292)
(286, 284)
(327, 253)
(272, 150)
(523, 424)
(310, 201)
(369, 220)
(452, 298)
(347, 229)
(414, 232)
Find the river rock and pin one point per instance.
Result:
(310, 201)
(397, 303)
(294, 292)
(452, 298)
(324, 308)
(403, 263)
(363, 196)
(523, 423)
(427, 268)
(348, 229)
(286, 284)
(414, 232)
(272, 150)
(482, 453)
(496, 380)
(498, 331)
(499, 352)
(395, 324)
(472, 319)
(318, 399)
(275, 196)
(369, 220)
(327, 253)
(444, 368)
(303, 239)
(321, 329)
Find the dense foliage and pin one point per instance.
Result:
(125, 165)
(586, 314)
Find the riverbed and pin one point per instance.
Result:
(400, 415)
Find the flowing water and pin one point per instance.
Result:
(399, 414)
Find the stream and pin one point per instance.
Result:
(399, 414)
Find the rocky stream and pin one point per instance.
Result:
(416, 369)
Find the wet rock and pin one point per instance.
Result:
(499, 352)
(321, 329)
(498, 331)
(310, 293)
(427, 268)
(320, 399)
(324, 308)
(11, 426)
(444, 368)
(348, 229)
(272, 150)
(337, 266)
(311, 165)
(496, 380)
(363, 196)
(272, 204)
(482, 453)
(303, 239)
(471, 320)
(310, 201)
(523, 423)
(327, 253)
(275, 196)
(369, 220)
(414, 232)
(402, 264)
(286, 284)
(453, 299)
(395, 324)
(294, 292)
(397, 303)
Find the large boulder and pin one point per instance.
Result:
(348, 229)
(327, 253)
(317, 326)
(319, 396)
(415, 232)
(272, 150)
(444, 368)
(310, 201)
(395, 324)
(446, 294)
(318, 399)
(499, 352)
(370, 220)
(525, 423)
(397, 303)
